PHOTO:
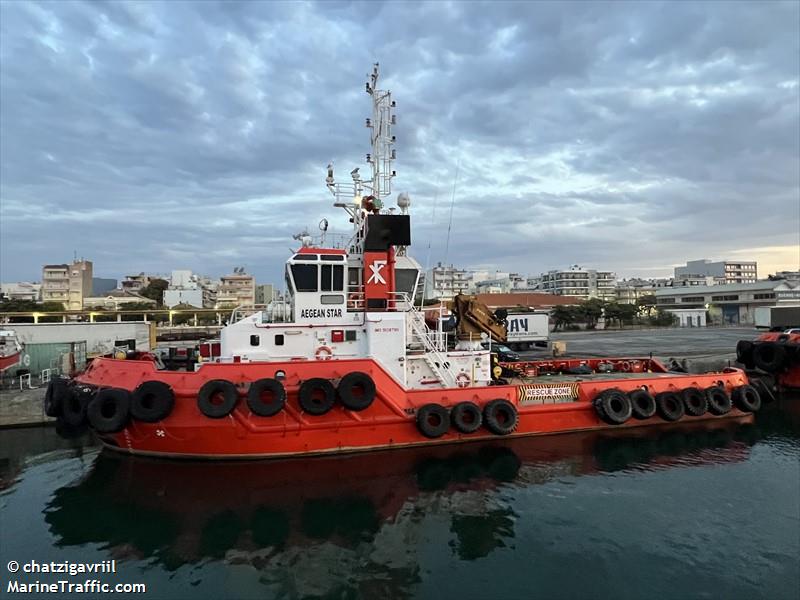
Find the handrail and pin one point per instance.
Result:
(439, 363)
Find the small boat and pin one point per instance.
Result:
(349, 364)
(10, 350)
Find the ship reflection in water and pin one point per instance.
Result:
(384, 524)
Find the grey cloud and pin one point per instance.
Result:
(166, 135)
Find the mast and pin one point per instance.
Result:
(369, 194)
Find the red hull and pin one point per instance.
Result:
(388, 423)
(6, 362)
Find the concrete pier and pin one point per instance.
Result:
(21, 408)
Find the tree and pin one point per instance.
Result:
(646, 304)
(591, 310)
(564, 316)
(155, 290)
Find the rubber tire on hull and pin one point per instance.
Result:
(217, 389)
(110, 410)
(433, 420)
(466, 417)
(309, 399)
(152, 401)
(613, 407)
(744, 353)
(746, 398)
(669, 406)
(266, 397)
(57, 391)
(500, 417)
(643, 405)
(694, 401)
(719, 402)
(352, 383)
(73, 410)
(769, 356)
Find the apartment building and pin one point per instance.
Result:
(187, 288)
(67, 283)
(445, 281)
(577, 282)
(237, 289)
(725, 270)
(22, 290)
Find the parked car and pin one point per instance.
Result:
(504, 353)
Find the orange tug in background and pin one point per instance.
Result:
(348, 363)
(777, 354)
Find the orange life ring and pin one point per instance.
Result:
(625, 366)
(462, 380)
(323, 353)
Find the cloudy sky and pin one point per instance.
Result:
(630, 136)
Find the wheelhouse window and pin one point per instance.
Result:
(332, 278)
(305, 277)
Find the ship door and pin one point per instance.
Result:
(355, 289)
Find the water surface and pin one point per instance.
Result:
(697, 513)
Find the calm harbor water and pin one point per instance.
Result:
(709, 512)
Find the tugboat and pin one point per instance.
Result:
(349, 363)
(777, 354)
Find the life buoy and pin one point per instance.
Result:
(500, 417)
(26, 360)
(316, 396)
(613, 407)
(669, 406)
(433, 420)
(719, 402)
(217, 398)
(356, 391)
(266, 397)
(694, 401)
(152, 401)
(466, 417)
(625, 366)
(463, 380)
(323, 353)
(746, 398)
(643, 405)
(110, 410)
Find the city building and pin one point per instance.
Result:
(577, 282)
(730, 304)
(790, 275)
(237, 289)
(67, 284)
(525, 300)
(445, 282)
(729, 271)
(265, 293)
(628, 291)
(22, 290)
(135, 283)
(189, 289)
(116, 300)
